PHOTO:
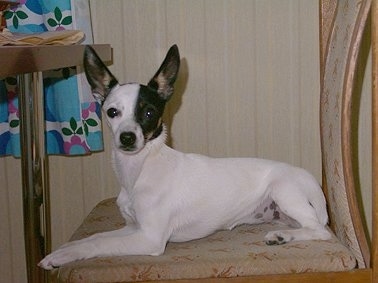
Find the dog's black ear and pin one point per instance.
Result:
(165, 77)
(98, 75)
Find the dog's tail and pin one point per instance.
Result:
(318, 202)
(296, 186)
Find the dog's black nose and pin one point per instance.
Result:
(127, 139)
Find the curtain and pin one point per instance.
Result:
(73, 124)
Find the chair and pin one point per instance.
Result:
(241, 255)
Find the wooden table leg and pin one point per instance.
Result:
(36, 208)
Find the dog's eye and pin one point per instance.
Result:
(149, 113)
(112, 112)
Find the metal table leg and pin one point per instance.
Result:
(36, 207)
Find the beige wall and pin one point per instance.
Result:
(249, 86)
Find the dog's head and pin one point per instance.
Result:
(133, 111)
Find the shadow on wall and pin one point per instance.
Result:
(175, 102)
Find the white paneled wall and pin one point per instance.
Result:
(249, 82)
(12, 257)
(248, 86)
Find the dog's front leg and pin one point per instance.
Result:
(129, 229)
(114, 243)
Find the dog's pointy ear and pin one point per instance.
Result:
(165, 77)
(98, 75)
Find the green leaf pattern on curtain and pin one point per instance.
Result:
(73, 118)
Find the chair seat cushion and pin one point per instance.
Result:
(240, 252)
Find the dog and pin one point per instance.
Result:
(167, 195)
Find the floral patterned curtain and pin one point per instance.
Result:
(72, 116)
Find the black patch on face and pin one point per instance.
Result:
(148, 111)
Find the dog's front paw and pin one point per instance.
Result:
(49, 262)
(67, 253)
(278, 238)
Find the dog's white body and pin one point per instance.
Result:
(193, 196)
(168, 195)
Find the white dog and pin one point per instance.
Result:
(167, 195)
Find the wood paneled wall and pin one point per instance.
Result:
(248, 86)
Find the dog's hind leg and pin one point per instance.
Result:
(295, 203)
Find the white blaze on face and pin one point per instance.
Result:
(123, 99)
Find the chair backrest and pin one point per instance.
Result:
(341, 26)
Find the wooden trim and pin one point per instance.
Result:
(346, 127)
(327, 14)
(374, 39)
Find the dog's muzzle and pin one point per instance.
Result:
(128, 140)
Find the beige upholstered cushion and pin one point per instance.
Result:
(240, 252)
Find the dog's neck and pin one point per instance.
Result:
(133, 163)
(158, 131)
